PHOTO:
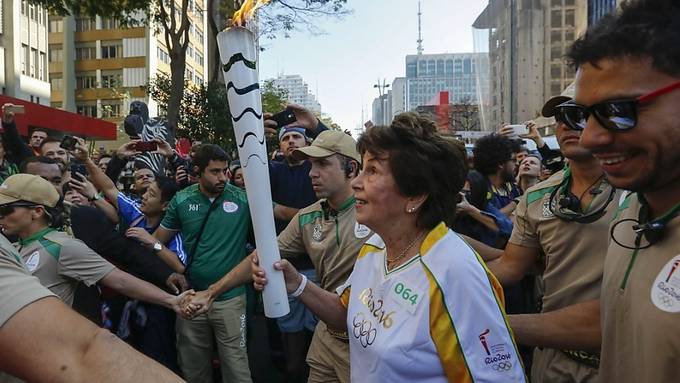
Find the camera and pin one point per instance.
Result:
(78, 168)
(68, 143)
(146, 146)
(284, 118)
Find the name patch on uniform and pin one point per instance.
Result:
(405, 297)
(33, 261)
(361, 231)
(229, 207)
(665, 292)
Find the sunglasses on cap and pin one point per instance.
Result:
(614, 115)
(9, 208)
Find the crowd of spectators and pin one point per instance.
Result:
(404, 258)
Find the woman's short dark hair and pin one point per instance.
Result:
(167, 186)
(421, 162)
(206, 153)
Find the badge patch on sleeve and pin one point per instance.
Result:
(33, 261)
(666, 288)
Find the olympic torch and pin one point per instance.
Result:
(239, 64)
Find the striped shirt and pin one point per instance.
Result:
(129, 211)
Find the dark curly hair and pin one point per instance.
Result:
(643, 28)
(421, 162)
(491, 151)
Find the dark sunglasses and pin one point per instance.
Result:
(8, 209)
(615, 115)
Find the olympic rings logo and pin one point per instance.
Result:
(364, 330)
(502, 366)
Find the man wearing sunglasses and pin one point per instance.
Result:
(561, 223)
(627, 103)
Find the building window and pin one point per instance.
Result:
(109, 23)
(56, 55)
(163, 55)
(24, 7)
(556, 71)
(555, 35)
(411, 70)
(86, 82)
(24, 55)
(199, 58)
(31, 12)
(112, 51)
(85, 24)
(57, 83)
(33, 61)
(190, 51)
(112, 80)
(111, 108)
(56, 26)
(56, 105)
(42, 65)
(89, 110)
(556, 19)
(86, 53)
(569, 18)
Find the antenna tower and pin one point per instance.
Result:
(420, 37)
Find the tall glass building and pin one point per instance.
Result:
(429, 74)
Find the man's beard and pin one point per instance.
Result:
(508, 177)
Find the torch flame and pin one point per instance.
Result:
(247, 11)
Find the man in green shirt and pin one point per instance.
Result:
(328, 232)
(214, 220)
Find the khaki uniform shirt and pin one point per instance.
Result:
(331, 240)
(574, 260)
(640, 304)
(60, 262)
(17, 288)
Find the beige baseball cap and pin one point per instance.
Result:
(30, 188)
(549, 107)
(327, 143)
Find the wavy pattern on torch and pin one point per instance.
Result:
(248, 109)
(236, 58)
(243, 141)
(242, 91)
(245, 165)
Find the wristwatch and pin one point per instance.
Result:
(157, 247)
(96, 197)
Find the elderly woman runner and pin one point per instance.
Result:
(420, 305)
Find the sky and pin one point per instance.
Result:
(342, 65)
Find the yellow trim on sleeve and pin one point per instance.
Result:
(444, 335)
(344, 297)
